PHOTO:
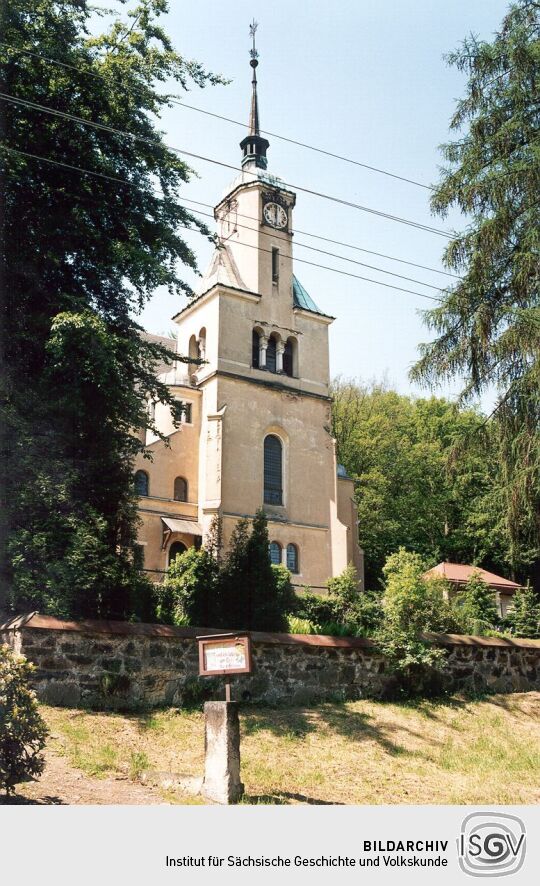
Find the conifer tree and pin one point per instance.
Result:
(488, 326)
(524, 617)
(476, 607)
(252, 595)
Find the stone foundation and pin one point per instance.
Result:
(116, 664)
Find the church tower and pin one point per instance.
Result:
(260, 425)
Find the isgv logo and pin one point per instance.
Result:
(491, 844)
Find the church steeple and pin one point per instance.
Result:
(253, 146)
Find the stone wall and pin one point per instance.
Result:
(112, 664)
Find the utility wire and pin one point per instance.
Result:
(304, 261)
(278, 183)
(240, 242)
(249, 217)
(182, 104)
(330, 254)
(341, 243)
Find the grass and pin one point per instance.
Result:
(484, 751)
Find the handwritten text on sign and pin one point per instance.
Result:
(225, 658)
(225, 654)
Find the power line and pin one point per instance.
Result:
(284, 138)
(242, 243)
(330, 254)
(341, 243)
(154, 142)
(242, 215)
(304, 261)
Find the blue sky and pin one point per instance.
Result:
(363, 79)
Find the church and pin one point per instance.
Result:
(256, 422)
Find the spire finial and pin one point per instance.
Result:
(253, 146)
(253, 51)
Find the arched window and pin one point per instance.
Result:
(273, 470)
(255, 345)
(271, 354)
(202, 343)
(194, 354)
(175, 550)
(180, 489)
(292, 558)
(288, 357)
(141, 483)
(274, 549)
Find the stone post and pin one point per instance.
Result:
(280, 349)
(222, 752)
(263, 345)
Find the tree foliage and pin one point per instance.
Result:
(476, 606)
(488, 326)
(524, 617)
(411, 490)
(22, 730)
(413, 605)
(80, 256)
(241, 591)
(192, 585)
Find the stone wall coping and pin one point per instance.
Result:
(34, 621)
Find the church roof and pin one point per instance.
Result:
(302, 299)
(222, 270)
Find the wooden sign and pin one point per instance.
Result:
(222, 654)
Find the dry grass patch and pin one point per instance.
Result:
(458, 751)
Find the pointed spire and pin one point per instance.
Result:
(254, 147)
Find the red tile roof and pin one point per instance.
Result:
(459, 573)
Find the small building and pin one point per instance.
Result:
(458, 574)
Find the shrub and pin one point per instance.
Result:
(285, 594)
(524, 617)
(22, 731)
(297, 625)
(314, 608)
(242, 591)
(191, 593)
(346, 611)
(475, 607)
(412, 605)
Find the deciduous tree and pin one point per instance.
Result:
(92, 225)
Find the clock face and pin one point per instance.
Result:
(275, 215)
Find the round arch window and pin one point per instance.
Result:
(274, 549)
(175, 550)
(292, 558)
(141, 483)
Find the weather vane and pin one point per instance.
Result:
(252, 31)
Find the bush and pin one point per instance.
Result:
(524, 617)
(315, 609)
(242, 591)
(345, 612)
(297, 625)
(191, 594)
(22, 731)
(412, 605)
(475, 607)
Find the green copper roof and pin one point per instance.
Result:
(301, 299)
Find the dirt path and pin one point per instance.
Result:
(62, 784)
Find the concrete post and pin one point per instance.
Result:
(222, 752)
